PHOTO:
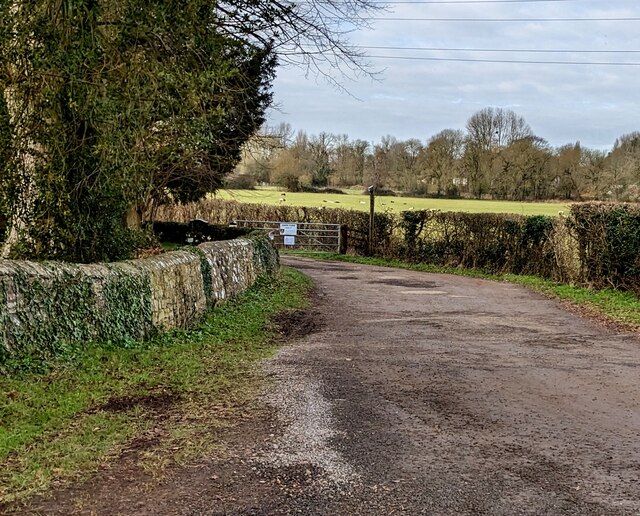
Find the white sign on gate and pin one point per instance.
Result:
(288, 229)
(289, 240)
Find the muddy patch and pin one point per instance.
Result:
(347, 277)
(295, 324)
(313, 266)
(155, 402)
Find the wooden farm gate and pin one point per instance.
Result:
(308, 236)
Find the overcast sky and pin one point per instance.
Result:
(563, 103)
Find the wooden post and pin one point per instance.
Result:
(344, 230)
(372, 203)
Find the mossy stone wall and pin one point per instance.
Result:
(45, 305)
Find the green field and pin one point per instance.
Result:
(355, 200)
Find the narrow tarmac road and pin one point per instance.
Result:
(451, 395)
(427, 394)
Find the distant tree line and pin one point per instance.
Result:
(497, 156)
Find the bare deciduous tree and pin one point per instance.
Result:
(441, 158)
(493, 128)
(311, 34)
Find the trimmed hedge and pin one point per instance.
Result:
(491, 242)
(608, 236)
(218, 211)
(598, 244)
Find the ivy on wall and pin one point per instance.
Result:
(60, 304)
(47, 307)
(264, 257)
(128, 310)
(207, 274)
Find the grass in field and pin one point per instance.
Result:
(353, 200)
(62, 424)
(620, 308)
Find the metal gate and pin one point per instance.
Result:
(308, 236)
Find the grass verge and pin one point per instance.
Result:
(154, 397)
(610, 306)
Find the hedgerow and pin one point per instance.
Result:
(608, 236)
(218, 211)
(597, 244)
(491, 242)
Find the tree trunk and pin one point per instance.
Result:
(21, 210)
